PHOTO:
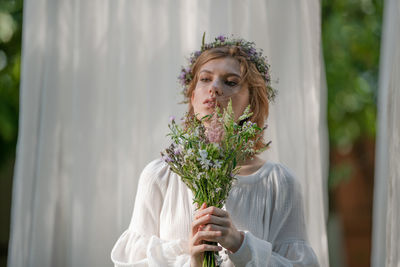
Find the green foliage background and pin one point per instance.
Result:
(10, 58)
(351, 31)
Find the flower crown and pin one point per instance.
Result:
(257, 57)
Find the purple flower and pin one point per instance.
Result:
(171, 118)
(177, 151)
(267, 77)
(166, 158)
(252, 51)
(197, 53)
(221, 38)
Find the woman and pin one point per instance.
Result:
(262, 223)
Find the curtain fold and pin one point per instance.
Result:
(386, 212)
(98, 83)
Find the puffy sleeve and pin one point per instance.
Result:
(140, 244)
(286, 243)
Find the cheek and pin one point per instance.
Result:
(195, 97)
(198, 93)
(196, 100)
(240, 102)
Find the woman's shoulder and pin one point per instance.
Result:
(274, 175)
(280, 176)
(283, 180)
(156, 167)
(156, 172)
(280, 171)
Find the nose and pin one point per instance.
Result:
(215, 88)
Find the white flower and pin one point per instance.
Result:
(217, 164)
(203, 154)
(205, 163)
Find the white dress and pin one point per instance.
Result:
(266, 205)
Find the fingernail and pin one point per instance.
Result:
(204, 205)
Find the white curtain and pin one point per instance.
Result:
(98, 85)
(386, 218)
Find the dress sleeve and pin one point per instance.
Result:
(286, 244)
(140, 244)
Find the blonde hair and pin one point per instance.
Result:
(258, 97)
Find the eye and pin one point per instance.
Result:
(205, 79)
(231, 83)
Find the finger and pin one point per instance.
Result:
(204, 247)
(210, 219)
(212, 210)
(202, 207)
(212, 236)
(196, 228)
(213, 227)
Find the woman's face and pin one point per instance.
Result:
(219, 80)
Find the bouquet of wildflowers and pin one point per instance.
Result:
(206, 157)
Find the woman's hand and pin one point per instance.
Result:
(215, 225)
(197, 238)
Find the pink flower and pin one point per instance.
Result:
(215, 130)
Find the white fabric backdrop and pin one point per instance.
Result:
(386, 218)
(98, 86)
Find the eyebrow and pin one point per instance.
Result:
(227, 74)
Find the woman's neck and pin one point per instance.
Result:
(250, 166)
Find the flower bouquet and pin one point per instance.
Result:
(205, 155)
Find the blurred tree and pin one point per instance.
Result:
(10, 58)
(351, 31)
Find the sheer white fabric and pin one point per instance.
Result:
(386, 221)
(267, 205)
(98, 86)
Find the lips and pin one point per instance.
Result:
(210, 102)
